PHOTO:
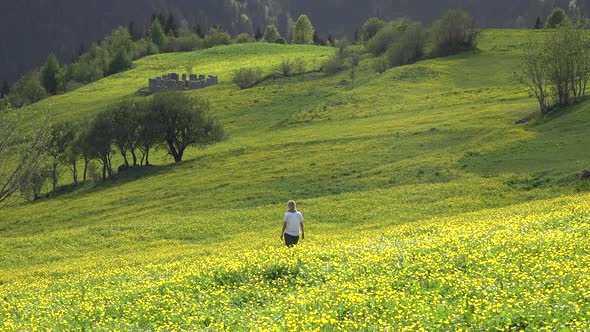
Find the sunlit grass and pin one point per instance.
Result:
(425, 206)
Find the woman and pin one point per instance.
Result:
(293, 224)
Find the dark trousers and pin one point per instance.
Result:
(291, 240)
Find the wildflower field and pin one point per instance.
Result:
(426, 207)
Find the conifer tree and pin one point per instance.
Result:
(49, 74)
(303, 31)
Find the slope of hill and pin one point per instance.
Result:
(426, 207)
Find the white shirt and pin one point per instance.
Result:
(293, 220)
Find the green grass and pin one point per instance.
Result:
(422, 164)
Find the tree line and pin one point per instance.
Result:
(130, 129)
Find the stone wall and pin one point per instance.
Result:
(174, 82)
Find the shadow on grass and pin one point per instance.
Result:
(90, 187)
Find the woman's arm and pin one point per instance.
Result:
(283, 231)
(302, 231)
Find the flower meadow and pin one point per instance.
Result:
(522, 267)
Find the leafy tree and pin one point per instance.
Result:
(157, 34)
(120, 39)
(409, 48)
(49, 74)
(556, 18)
(371, 27)
(148, 133)
(101, 57)
(271, 34)
(454, 33)
(125, 129)
(20, 154)
(557, 69)
(386, 36)
(61, 136)
(134, 31)
(184, 123)
(217, 37)
(99, 141)
(244, 38)
(120, 62)
(303, 31)
(27, 90)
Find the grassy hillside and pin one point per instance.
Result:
(425, 206)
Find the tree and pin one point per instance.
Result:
(371, 27)
(170, 27)
(557, 69)
(303, 31)
(157, 34)
(120, 62)
(49, 74)
(148, 133)
(119, 39)
(125, 128)
(134, 31)
(60, 137)
(556, 18)
(99, 141)
(217, 37)
(244, 38)
(184, 123)
(271, 34)
(538, 23)
(4, 89)
(258, 34)
(20, 155)
(454, 33)
(27, 90)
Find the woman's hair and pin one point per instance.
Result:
(292, 205)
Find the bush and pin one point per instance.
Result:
(454, 33)
(244, 38)
(334, 64)
(281, 40)
(145, 47)
(246, 77)
(185, 42)
(385, 37)
(285, 67)
(299, 66)
(27, 90)
(32, 184)
(271, 34)
(409, 48)
(217, 37)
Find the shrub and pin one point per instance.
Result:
(383, 39)
(186, 41)
(32, 184)
(334, 64)
(27, 90)
(244, 38)
(271, 34)
(285, 67)
(281, 40)
(144, 47)
(409, 48)
(454, 33)
(246, 77)
(217, 37)
(299, 66)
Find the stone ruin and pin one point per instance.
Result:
(172, 82)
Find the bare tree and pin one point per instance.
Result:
(20, 155)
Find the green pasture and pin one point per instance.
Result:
(425, 153)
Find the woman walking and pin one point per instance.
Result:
(293, 225)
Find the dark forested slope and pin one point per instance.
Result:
(31, 29)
